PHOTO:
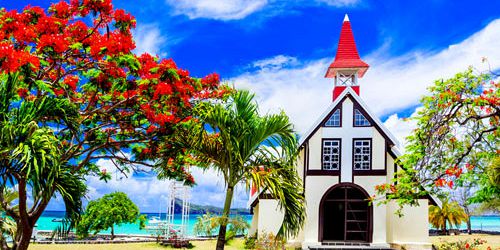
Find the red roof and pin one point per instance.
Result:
(347, 56)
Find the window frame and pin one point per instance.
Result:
(354, 153)
(339, 153)
(332, 114)
(361, 111)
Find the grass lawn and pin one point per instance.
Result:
(208, 244)
(491, 240)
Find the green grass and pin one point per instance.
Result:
(207, 244)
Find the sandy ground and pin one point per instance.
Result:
(491, 240)
(208, 244)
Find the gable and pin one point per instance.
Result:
(359, 105)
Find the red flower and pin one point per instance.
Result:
(58, 92)
(450, 184)
(22, 92)
(151, 129)
(71, 81)
(467, 245)
(439, 182)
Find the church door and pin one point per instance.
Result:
(345, 214)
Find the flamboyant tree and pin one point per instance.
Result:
(457, 136)
(110, 103)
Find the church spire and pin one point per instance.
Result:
(347, 66)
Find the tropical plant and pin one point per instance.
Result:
(457, 135)
(8, 226)
(107, 212)
(269, 241)
(30, 160)
(246, 147)
(448, 213)
(73, 93)
(206, 224)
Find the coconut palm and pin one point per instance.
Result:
(30, 160)
(246, 147)
(449, 213)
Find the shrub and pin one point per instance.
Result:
(268, 241)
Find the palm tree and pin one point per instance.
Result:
(449, 212)
(30, 160)
(248, 148)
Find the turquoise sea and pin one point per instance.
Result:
(486, 223)
(46, 223)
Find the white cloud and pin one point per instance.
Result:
(390, 85)
(401, 127)
(148, 39)
(339, 3)
(217, 9)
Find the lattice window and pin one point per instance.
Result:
(348, 78)
(331, 154)
(362, 154)
(334, 120)
(360, 120)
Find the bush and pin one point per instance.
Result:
(268, 241)
(461, 245)
(250, 241)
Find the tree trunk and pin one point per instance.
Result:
(112, 232)
(444, 229)
(469, 226)
(24, 241)
(221, 240)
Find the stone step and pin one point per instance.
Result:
(349, 246)
(339, 247)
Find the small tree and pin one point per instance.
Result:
(110, 210)
(449, 213)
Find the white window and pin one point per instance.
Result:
(360, 119)
(362, 154)
(334, 120)
(331, 154)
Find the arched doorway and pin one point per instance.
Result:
(344, 214)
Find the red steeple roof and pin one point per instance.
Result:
(347, 56)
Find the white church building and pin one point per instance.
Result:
(343, 156)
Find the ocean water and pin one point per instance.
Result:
(486, 223)
(46, 223)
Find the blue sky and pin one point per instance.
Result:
(280, 50)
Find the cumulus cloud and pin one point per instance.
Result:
(390, 85)
(339, 3)
(239, 9)
(151, 194)
(217, 9)
(148, 39)
(401, 127)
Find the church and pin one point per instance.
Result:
(343, 156)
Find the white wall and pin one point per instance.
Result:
(368, 183)
(270, 216)
(254, 225)
(314, 150)
(316, 186)
(413, 227)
